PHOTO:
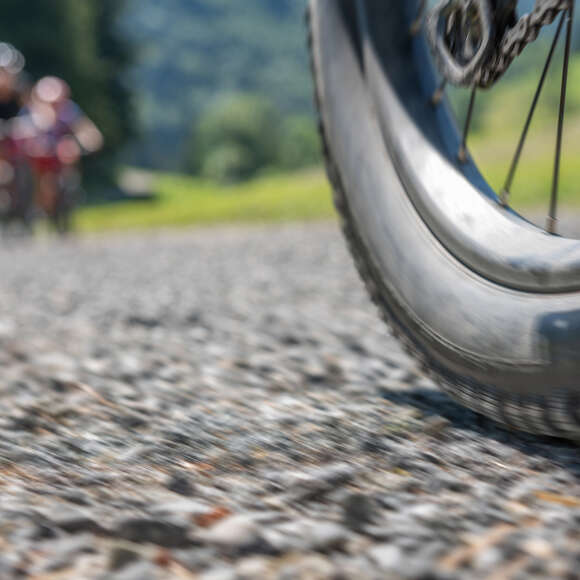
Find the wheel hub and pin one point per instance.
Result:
(463, 35)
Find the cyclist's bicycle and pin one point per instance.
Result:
(16, 187)
(488, 302)
(61, 134)
(58, 190)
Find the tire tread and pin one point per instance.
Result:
(513, 411)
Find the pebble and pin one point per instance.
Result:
(221, 572)
(68, 546)
(327, 536)
(238, 533)
(538, 547)
(75, 521)
(386, 556)
(436, 426)
(253, 567)
(311, 484)
(197, 558)
(154, 531)
(309, 566)
(228, 402)
(488, 559)
(180, 484)
(307, 535)
(186, 507)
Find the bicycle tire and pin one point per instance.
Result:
(500, 336)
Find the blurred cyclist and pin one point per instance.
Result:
(62, 134)
(11, 66)
(15, 178)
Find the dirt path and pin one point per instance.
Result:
(226, 404)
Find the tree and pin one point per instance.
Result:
(236, 137)
(79, 42)
(191, 52)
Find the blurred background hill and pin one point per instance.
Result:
(194, 52)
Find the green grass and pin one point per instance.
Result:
(534, 176)
(493, 145)
(185, 201)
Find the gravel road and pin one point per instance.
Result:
(225, 404)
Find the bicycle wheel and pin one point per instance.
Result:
(488, 302)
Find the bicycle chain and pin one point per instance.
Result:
(515, 40)
(502, 41)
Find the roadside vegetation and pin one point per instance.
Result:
(184, 201)
(220, 195)
(248, 161)
(501, 114)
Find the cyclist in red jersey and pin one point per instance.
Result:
(62, 134)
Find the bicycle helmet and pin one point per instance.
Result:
(11, 59)
(51, 90)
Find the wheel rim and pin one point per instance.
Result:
(453, 198)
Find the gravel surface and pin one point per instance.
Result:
(226, 404)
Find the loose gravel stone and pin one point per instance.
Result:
(236, 534)
(185, 507)
(59, 553)
(358, 509)
(309, 566)
(307, 535)
(75, 521)
(180, 484)
(196, 559)
(253, 567)
(221, 572)
(122, 556)
(153, 531)
(226, 403)
(387, 557)
(313, 483)
(137, 571)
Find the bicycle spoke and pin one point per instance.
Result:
(504, 197)
(418, 22)
(552, 217)
(437, 96)
(462, 154)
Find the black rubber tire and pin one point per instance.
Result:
(416, 281)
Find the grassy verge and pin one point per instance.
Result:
(184, 201)
(533, 180)
(504, 111)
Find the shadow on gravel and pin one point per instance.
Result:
(562, 452)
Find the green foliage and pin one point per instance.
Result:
(191, 52)
(186, 201)
(503, 114)
(79, 42)
(300, 143)
(240, 135)
(228, 163)
(115, 57)
(235, 138)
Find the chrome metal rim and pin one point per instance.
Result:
(441, 179)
